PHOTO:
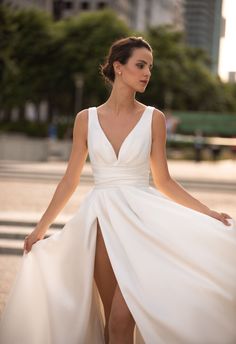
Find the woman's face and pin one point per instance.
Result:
(137, 71)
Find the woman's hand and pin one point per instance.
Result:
(31, 239)
(220, 216)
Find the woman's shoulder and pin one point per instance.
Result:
(81, 121)
(82, 116)
(158, 122)
(158, 115)
(156, 112)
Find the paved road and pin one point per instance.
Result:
(220, 175)
(26, 189)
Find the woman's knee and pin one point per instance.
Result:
(121, 322)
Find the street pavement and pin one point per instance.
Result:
(27, 188)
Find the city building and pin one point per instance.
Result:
(138, 14)
(124, 8)
(159, 12)
(232, 77)
(41, 4)
(203, 27)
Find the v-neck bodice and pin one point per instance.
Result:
(132, 163)
(127, 136)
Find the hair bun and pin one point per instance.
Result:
(107, 71)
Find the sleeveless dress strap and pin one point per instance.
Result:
(150, 111)
(91, 123)
(91, 116)
(149, 114)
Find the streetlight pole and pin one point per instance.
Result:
(79, 84)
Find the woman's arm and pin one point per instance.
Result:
(69, 181)
(161, 177)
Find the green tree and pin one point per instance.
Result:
(8, 68)
(86, 40)
(181, 78)
(39, 59)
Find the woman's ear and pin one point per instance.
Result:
(117, 67)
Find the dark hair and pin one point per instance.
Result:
(121, 51)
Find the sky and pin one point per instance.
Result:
(227, 60)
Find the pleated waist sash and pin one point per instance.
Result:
(118, 175)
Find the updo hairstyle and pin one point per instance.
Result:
(121, 51)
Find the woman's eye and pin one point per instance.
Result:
(140, 66)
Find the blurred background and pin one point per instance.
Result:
(50, 52)
(49, 70)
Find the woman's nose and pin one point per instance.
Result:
(147, 72)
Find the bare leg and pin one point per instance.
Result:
(120, 324)
(121, 321)
(104, 278)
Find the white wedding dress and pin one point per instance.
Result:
(176, 267)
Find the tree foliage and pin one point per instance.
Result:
(181, 78)
(39, 59)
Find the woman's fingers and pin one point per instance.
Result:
(29, 241)
(227, 216)
(223, 218)
(27, 245)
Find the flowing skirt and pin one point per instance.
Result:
(176, 269)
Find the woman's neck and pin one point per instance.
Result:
(121, 99)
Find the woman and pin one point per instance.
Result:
(157, 259)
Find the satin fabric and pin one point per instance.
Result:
(176, 267)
